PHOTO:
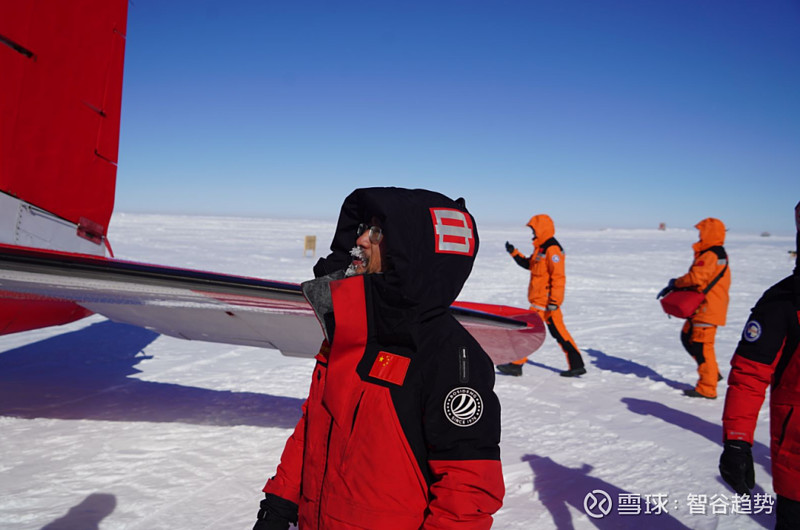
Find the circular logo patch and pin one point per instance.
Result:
(752, 331)
(556, 258)
(463, 406)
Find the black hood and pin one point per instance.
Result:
(797, 239)
(797, 257)
(430, 243)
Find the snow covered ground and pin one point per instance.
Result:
(107, 426)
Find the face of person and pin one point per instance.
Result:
(367, 254)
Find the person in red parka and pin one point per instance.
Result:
(709, 271)
(768, 354)
(401, 427)
(546, 291)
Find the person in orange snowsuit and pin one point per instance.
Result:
(710, 267)
(546, 291)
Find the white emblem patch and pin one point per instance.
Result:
(463, 406)
(752, 331)
(555, 258)
(454, 232)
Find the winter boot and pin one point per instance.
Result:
(573, 372)
(695, 394)
(510, 369)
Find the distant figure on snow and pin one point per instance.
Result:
(768, 353)
(709, 272)
(546, 291)
(401, 427)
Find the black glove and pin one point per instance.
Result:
(666, 290)
(736, 466)
(509, 247)
(271, 523)
(276, 513)
(551, 307)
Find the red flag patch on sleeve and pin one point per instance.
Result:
(390, 367)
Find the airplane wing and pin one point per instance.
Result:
(506, 333)
(60, 102)
(198, 305)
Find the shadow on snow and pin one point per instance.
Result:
(710, 431)
(84, 374)
(545, 367)
(559, 487)
(625, 366)
(87, 515)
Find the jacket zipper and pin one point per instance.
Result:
(784, 426)
(463, 365)
(327, 459)
(324, 475)
(355, 413)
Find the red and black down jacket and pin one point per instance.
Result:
(401, 428)
(769, 354)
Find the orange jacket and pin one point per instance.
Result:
(708, 263)
(546, 264)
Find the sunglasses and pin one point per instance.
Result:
(375, 232)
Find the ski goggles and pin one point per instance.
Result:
(375, 232)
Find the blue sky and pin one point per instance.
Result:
(599, 113)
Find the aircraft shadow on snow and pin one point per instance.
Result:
(87, 515)
(619, 365)
(559, 487)
(712, 432)
(84, 374)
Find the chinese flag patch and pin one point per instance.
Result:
(390, 367)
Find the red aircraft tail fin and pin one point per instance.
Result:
(61, 65)
(60, 105)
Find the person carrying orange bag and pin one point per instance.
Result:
(546, 292)
(710, 267)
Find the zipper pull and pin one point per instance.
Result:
(463, 365)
